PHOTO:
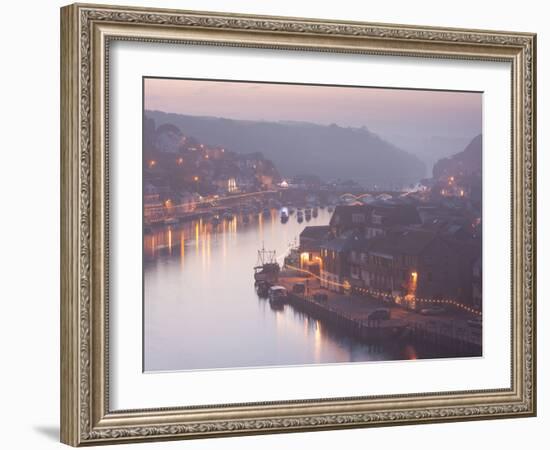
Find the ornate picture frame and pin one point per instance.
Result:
(87, 32)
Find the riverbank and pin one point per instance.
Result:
(451, 332)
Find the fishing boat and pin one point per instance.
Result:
(267, 268)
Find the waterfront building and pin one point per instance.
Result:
(349, 217)
(311, 239)
(385, 217)
(335, 270)
(153, 210)
(372, 220)
(419, 263)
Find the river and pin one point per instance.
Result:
(201, 310)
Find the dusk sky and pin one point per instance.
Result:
(404, 112)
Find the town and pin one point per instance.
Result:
(404, 263)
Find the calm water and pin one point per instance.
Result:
(201, 310)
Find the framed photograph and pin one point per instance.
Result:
(275, 224)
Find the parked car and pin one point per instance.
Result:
(436, 311)
(299, 288)
(320, 297)
(379, 314)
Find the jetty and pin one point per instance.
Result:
(352, 313)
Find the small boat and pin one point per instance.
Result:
(284, 215)
(315, 212)
(262, 288)
(277, 295)
(266, 212)
(291, 211)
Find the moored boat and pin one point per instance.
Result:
(267, 268)
(277, 295)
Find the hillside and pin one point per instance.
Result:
(305, 148)
(464, 163)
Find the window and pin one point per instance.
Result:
(377, 219)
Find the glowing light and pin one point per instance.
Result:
(320, 261)
(152, 163)
(195, 178)
(346, 285)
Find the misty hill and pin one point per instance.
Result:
(306, 148)
(429, 149)
(467, 162)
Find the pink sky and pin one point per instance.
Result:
(385, 111)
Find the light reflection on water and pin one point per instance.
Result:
(201, 310)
